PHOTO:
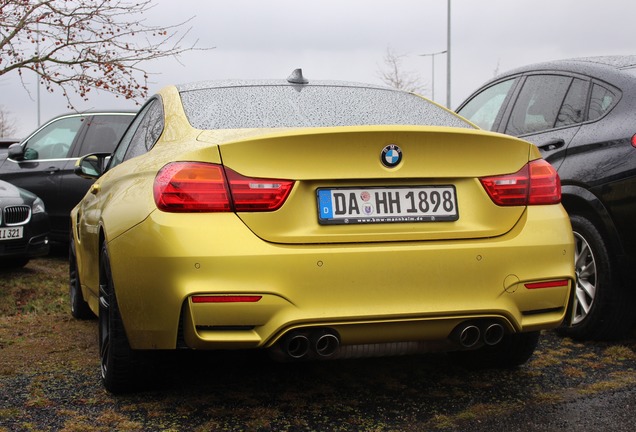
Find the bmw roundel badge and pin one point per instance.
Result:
(391, 156)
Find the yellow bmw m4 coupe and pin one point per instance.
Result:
(316, 220)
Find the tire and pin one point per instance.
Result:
(79, 307)
(513, 351)
(602, 306)
(119, 364)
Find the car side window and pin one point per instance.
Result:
(484, 108)
(148, 131)
(104, 132)
(601, 101)
(538, 104)
(54, 140)
(573, 109)
(142, 134)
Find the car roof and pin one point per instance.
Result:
(619, 70)
(92, 112)
(86, 113)
(201, 85)
(583, 65)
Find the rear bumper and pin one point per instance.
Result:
(368, 293)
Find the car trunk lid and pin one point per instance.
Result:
(343, 168)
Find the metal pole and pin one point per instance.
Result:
(433, 77)
(37, 76)
(448, 58)
(432, 55)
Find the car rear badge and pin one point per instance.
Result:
(391, 156)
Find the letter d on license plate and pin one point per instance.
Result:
(387, 205)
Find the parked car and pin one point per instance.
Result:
(581, 114)
(316, 220)
(24, 226)
(43, 163)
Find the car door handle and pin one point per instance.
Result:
(52, 170)
(552, 145)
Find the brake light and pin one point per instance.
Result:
(204, 187)
(537, 183)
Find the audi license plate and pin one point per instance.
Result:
(387, 204)
(11, 233)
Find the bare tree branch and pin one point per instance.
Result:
(83, 45)
(395, 76)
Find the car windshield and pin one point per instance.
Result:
(280, 106)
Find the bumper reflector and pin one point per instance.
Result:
(226, 299)
(550, 284)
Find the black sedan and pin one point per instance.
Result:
(43, 163)
(581, 113)
(24, 226)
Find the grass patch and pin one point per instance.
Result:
(619, 353)
(40, 287)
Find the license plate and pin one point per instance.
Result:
(11, 233)
(387, 205)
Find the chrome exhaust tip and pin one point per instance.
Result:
(469, 336)
(296, 346)
(493, 334)
(326, 344)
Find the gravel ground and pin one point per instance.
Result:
(586, 386)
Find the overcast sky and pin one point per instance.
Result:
(348, 39)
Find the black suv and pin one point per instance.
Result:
(581, 113)
(43, 163)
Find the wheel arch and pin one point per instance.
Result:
(580, 201)
(100, 245)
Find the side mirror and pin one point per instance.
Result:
(15, 152)
(91, 166)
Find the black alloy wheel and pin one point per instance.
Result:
(117, 359)
(602, 306)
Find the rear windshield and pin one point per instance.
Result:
(309, 106)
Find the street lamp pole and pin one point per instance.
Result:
(37, 76)
(448, 58)
(432, 56)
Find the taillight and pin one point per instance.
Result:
(536, 183)
(250, 194)
(203, 187)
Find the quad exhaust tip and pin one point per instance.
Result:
(471, 334)
(324, 343)
(305, 344)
